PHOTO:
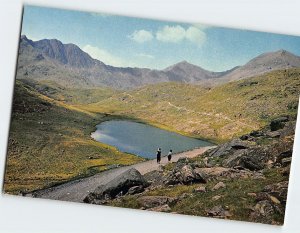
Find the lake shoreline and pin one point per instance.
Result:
(109, 117)
(62, 191)
(142, 140)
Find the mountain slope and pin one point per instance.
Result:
(219, 113)
(264, 63)
(49, 143)
(69, 66)
(189, 73)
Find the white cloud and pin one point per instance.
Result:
(176, 34)
(141, 36)
(171, 34)
(195, 35)
(106, 57)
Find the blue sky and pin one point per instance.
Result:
(136, 42)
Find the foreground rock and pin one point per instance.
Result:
(218, 212)
(183, 173)
(131, 181)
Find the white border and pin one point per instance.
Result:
(18, 214)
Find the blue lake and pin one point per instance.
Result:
(143, 140)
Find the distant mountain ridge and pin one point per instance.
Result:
(68, 65)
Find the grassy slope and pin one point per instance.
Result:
(59, 148)
(234, 197)
(71, 95)
(50, 142)
(219, 114)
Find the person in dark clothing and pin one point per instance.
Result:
(170, 155)
(158, 155)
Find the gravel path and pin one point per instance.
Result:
(77, 190)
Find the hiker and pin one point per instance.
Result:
(158, 155)
(170, 155)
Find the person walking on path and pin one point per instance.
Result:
(170, 155)
(158, 155)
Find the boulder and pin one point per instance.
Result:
(278, 123)
(229, 147)
(154, 178)
(253, 159)
(117, 187)
(200, 189)
(244, 137)
(273, 134)
(234, 159)
(218, 212)
(155, 201)
(219, 186)
(283, 155)
(187, 175)
(256, 133)
(183, 174)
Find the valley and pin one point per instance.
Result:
(248, 114)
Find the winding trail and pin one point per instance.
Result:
(77, 190)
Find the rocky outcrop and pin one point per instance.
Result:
(278, 123)
(183, 173)
(230, 147)
(131, 182)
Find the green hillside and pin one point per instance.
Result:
(70, 95)
(50, 131)
(50, 142)
(218, 113)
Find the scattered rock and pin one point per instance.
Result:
(262, 212)
(273, 134)
(218, 186)
(286, 161)
(285, 171)
(200, 189)
(244, 137)
(274, 200)
(278, 190)
(218, 212)
(251, 194)
(215, 198)
(117, 187)
(284, 154)
(256, 133)
(155, 201)
(163, 208)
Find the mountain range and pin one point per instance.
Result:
(68, 65)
